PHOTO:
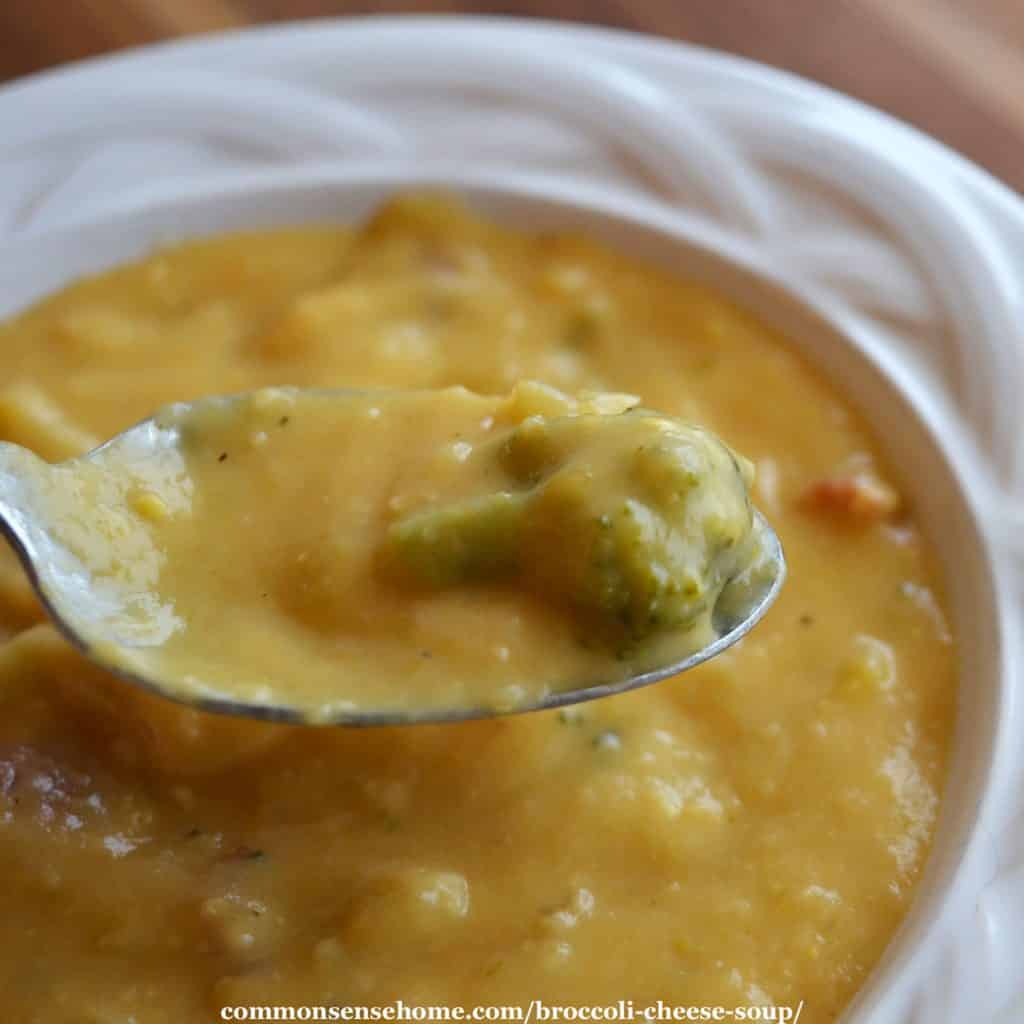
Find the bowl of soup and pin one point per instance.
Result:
(782, 830)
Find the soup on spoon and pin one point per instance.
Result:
(327, 554)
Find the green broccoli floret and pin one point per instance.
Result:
(641, 525)
(466, 541)
(635, 520)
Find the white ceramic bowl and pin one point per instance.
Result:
(880, 266)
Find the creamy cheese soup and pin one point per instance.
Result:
(750, 833)
(342, 539)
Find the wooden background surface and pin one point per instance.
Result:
(953, 67)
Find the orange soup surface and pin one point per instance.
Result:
(747, 834)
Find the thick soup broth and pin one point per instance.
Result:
(746, 834)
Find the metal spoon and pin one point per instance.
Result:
(91, 612)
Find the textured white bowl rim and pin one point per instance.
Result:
(962, 451)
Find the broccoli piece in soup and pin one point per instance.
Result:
(635, 520)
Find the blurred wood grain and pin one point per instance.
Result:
(954, 68)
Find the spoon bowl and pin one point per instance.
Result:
(105, 618)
